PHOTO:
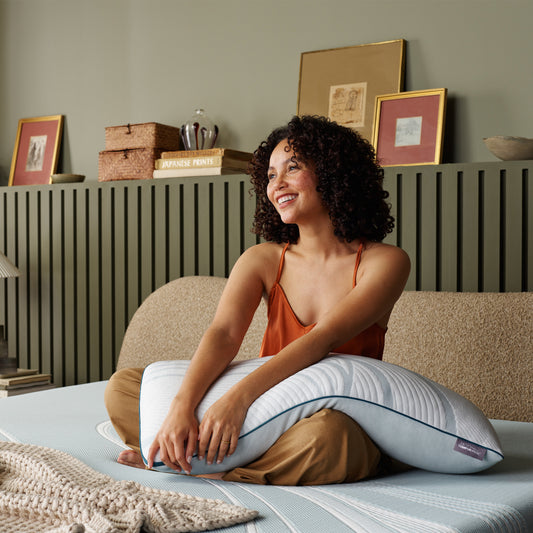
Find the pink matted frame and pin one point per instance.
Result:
(409, 127)
(36, 150)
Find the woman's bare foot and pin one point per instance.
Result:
(131, 458)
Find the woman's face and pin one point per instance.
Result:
(292, 186)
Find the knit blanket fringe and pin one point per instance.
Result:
(46, 490)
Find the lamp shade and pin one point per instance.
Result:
(7, 268)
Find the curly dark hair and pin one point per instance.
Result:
(350, 181)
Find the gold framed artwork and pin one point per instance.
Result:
(342, 83)
(36, 150)
(409, 127)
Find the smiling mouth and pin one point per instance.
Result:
(286, 198)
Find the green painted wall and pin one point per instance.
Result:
(109, 62)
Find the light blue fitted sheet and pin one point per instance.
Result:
(74, 419)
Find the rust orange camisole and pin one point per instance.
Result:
(284, 326)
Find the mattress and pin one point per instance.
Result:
(500, 499)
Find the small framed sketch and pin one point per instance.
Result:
(409, 127)
(342, 83)
(36, 150)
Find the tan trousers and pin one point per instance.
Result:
(328, 447)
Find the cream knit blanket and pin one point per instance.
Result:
(45, 490)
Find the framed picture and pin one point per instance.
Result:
(342, 83)
(36, 150)
(409, 127)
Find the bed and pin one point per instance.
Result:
(74, 420)
(499, 499)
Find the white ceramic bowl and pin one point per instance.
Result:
(510, 148)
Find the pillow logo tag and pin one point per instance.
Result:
(468, 448)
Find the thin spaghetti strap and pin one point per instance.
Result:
(357, 261)
(281, 261)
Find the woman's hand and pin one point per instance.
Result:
(220, 429)
(177, 438)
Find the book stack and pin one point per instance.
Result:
(22, 382)
(212, 162)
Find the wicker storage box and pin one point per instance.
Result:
(136, 164)
(146, 135)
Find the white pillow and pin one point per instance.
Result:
(409, 417)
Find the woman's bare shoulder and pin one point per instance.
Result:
(266, 251)
(260, 260)
(381, 248)
(379, 253)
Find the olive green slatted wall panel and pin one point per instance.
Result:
(465, 227)
(91, 253)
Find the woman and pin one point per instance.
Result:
(331, 286)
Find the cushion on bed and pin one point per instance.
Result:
(410, 417)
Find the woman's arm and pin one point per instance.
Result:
(177, 438)
(380, 284)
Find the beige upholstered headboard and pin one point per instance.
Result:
(171, 321)
(478, 344)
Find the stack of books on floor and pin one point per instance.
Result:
(23, 381)
(212, 162)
